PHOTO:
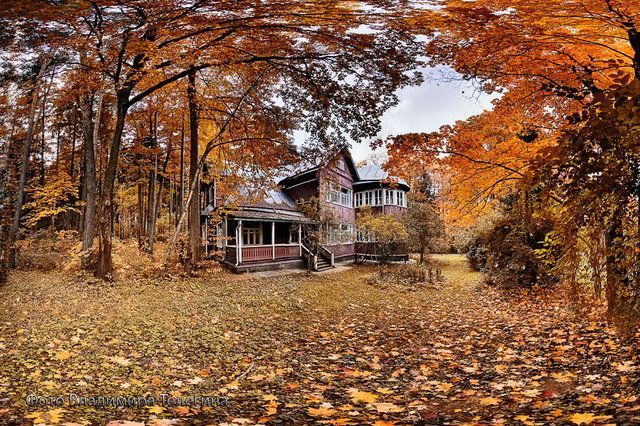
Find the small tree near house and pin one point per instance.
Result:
(423, 219)
(386, 232)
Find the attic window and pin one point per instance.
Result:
(342, 165)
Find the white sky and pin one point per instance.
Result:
(438, 101)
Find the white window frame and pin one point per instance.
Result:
(340, 195)
(252, 236)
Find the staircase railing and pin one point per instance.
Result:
(310, 258)
(327, 255)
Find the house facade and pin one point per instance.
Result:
(271, 233)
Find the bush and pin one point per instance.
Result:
(507, 251)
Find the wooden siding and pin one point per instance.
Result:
(339, 250)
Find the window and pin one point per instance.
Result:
(251, 236)
(365, 237)
(400, 198)
(293, 233)
(369, 198)
(342, 165)
(378, 197)
(340, 195)
(339, 234)
(388, 196)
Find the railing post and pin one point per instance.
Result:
(273, 240)
(239, 242)
(333, 262)
(300, 239)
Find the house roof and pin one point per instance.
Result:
(275, 215)
(375, 173)
(306, 173)
(276, 205)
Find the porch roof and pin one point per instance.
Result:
(267, 214)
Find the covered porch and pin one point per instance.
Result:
(270, 241)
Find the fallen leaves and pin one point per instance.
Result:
(63, 355)
(365, 397)
(330, 354)
(386, 407)
(586, 418)
(325, 410)
(490, 401)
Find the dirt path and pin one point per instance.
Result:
(304, 349)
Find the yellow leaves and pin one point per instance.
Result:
(425, 370)
(357, 373)
(384, 391)
(156, 409)
(444, 387)
(120, 361)
(490, 401)
(359, 396)
(325, 410)
(586, 418)
(61, 356)
(386, 407)
(52, 416)
(524, 419)
(626, 367)
(501, 368)
(563, 377)
(271, 408)
(531, 393)
(195, 381)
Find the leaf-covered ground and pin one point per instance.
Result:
(295, 348)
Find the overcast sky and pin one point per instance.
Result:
(438, 101)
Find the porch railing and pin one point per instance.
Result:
(264, 252)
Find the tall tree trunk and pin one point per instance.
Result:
(153, 177)
(43, 139)
(104, 268)
(158, 200)
(72, 160)
(91, 131)
(181, 170)
(194, 204)
(140, 221)
(616, 273)
(24, 164)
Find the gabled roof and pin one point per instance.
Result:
(307, 173)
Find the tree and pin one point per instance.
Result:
(423, 219)
(385, 231)
(52, 200)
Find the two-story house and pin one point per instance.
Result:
(269, 234)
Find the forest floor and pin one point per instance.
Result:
(298, 348)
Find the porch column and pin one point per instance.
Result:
(239, 242)
(300, 239)
(273, 240)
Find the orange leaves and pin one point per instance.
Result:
(364, 397)
(586, 418)
(325, 410)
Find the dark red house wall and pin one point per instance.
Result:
(394, 210)
(344, 178)
(340, 250)
(304, 191)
